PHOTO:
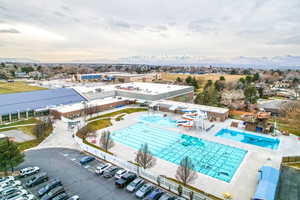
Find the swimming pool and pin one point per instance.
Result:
(210, 158)
(249, 138)
(158, 120)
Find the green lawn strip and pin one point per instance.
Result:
(23, 122)
(126, 110)
(120, 117)
(99, 124)
(194, 189)
(33, 143)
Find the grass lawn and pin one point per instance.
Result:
(18, 86)
(99, 124)
(23, 122)
(32, 143)
(126, 110)
(289, 125)
(297, 165)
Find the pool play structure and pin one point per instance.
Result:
(248, 138)
(210, 158)
(192, 118)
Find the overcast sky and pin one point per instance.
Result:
(67, 30)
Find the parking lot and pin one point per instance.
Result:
(76, 179)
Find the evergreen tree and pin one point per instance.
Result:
(10, 155)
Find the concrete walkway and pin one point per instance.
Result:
(60, 137)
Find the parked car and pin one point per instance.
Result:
(100, 169)
(10, 187)
(25, 197)
(135, 185)
(61, 196)
(7, 178)
(144, 190)
(75, 197)
(167, 196)
(154, 195)
(125, 179)
(86, 159)
(18, 193)
(10, 183)
(119, 173)
(9, 191)
(53, 193)
(54, 183)
(28, 171)
(110, 172)
(38, 179)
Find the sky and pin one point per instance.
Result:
(122, 30)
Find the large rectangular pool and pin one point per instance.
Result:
(247, 138)
(210, 158)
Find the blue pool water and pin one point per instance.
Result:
(159, 120)
(249, 138)
(210, 158)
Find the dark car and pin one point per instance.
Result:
(61, 196)
(144, 190)
(86, 159)
(110, 172)
(54, 183)
(154, 195)
(53, 193)
(38, 179)
(135, 185)
(125, 179)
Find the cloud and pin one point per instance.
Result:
(10, 30)
(120, 28)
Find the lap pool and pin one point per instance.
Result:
(261, 141)
(213, 159)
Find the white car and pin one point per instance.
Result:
(9, 188)
(16, 195)
(100, 169)
(120, 173)
(25, 197)
(10, 183)
(7, 178)
(75, 197)
(28, 171)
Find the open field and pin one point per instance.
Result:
(203, 77)
(13, 87)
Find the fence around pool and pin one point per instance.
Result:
(147, 174)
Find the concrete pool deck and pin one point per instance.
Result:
(244, 182)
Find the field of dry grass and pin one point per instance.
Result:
(18, 86)
(201, 77)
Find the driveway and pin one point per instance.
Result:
(64, 164)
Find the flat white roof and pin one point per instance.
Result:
(79, 106)
(195, 106)
(145, 88)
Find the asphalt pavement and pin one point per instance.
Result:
(77, 179)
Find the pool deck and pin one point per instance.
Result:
(244, 182)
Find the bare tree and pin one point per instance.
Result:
(144, 157)
(185, 171)
(106, 142)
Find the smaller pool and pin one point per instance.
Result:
(159, 120)
(249, 138)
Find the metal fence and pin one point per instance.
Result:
(147, 174)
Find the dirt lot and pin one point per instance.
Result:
(204, 77)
